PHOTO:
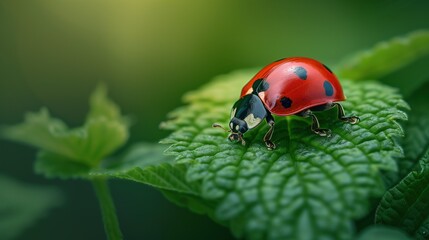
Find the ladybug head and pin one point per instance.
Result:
(237, 128)
(247, 113)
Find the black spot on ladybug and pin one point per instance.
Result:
(301, 72)
(327, 68)
(286, 102)
(329, 90)
(260, 85)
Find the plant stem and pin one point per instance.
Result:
(110, 220)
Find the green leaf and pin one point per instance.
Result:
(195, 203)
(416, 141)
(383, 233)
(53, 165)
(410, 77)
(21, 205)
(406, 204)
(103, 107)
(80, 149)
(400, 62)
(310, 187)
(146, 163)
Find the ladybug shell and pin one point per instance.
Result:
(291, 85)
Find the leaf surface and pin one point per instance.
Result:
(406, 204)
(310, 187)
(146, 163)
(416, 141)
(382, 233)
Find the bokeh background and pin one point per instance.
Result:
(149, 53)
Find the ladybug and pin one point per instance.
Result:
(290, 86)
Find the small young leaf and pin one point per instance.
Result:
(383, 233)
(53, 165)
(21, 205)
(146, 163)
(102, 107)
(81, 148)
(310, 187)
(44, 132)
(385, 57)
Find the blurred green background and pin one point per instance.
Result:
(150, 52)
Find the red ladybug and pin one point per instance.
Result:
(290, 86)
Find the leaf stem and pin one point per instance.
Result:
(110, 220)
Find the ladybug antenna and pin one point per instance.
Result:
(215, 125)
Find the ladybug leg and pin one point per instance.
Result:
(342, 117)
(315, 126)
(267, 138)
